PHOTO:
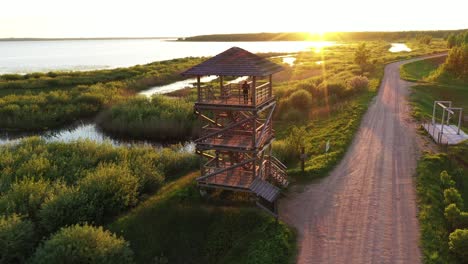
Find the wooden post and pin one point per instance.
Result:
(221, 85)
(442, 123)
(269, 160)
(199, 89)
(254, 91)
(270, 91)
(254, 130)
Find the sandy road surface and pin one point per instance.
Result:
(365, 210)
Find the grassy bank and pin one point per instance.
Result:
(40, 101)
(179, 226)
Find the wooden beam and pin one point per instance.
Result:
(224, 129)
(254, 94)
(199, 88)
(270, 91)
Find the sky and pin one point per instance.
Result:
(182, 18)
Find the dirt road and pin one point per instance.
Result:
(365, 210)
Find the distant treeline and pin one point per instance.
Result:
(329, 36)
(57, 39)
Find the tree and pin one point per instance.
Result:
(361, 56)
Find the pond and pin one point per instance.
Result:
(399, 47)
(88, 131)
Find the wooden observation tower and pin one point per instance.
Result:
(238, 130)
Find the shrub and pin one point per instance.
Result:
(284, 151)
(83, 244)
(17, 239)
(301, 100)
(361, 56)
(452, 214)
(143, 164)
(70, 207)
(293, 115)
(358, 83)
(110, 189)
(330, 89)
(451, 195)
(446, 180)
(457, 61)
(27, 196)
(458, 243)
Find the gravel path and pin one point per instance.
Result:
(365, 210)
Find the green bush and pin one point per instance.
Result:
(68, 208)
(17, 239)
(451, 195)
(457, 62)
(452, 214)
(301, 100)
(27, 196)
(446, 180)
(285, 152)
(110, 189)
(143, 163)
(458, 243)
(83, 244)
(358, 83)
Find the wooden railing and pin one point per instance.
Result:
(278, 171)
(233, 94)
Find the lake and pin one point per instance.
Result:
(43, 56)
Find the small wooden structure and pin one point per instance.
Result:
(444, 132)
(238, 127)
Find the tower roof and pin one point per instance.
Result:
(235, 62)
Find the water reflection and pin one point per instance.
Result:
(90, 132)
(175, 86)
(399, 47)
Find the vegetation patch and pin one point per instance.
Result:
(441, 186)
(47, 186)
(178, 226)
(161, 118)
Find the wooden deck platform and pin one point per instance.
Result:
(447, 136)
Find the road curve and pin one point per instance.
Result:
(365, 210)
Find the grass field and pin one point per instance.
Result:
(425, 93)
